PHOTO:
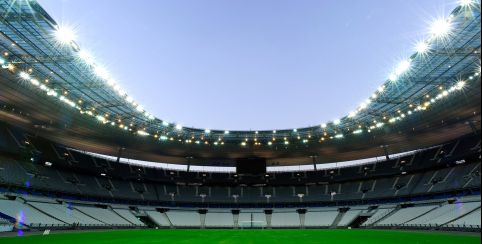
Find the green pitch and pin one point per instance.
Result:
(249, 236)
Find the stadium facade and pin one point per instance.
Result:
(73, 140)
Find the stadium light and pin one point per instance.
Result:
(64, 35)
(163, 138)
(35, 82)
(440, 27)
(466, 3)
(86, 57)
(403, 67)
(101, 72)
(24, 75)
(392, 77)
(460, 84)
(142, 133)
(358, 131)
(422, 47)
(101, 118)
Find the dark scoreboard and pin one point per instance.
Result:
(251, 166)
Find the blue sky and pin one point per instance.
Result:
(249, 64)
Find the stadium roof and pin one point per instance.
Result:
(50, 85)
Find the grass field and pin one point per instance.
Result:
(249, 236)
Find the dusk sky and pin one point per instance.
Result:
(249, 64)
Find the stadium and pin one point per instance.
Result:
(82, 161)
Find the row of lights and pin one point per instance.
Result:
(66, 36)
(439, 29)
(401, 115)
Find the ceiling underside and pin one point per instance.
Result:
(26, 34)
(44, 117)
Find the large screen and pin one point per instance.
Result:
(251, 166)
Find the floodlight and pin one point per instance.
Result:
(465, 3)
(86, 57)
(24, 75)
(142, 133)
(402, 67)
(357, 131)
(64, 35)
(393, 77)
(460, 84)
(422, 47)
(101, 72)
(35, 82)
(440, 27)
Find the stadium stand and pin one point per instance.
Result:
(26, 214)
(446, 213)
(65, 213)
(219, 219)
(42, 212)
(403, 162)
(285, 218)
(471, 219)
(349, 216)
(102, 214)
(184, 218)
(404, 215)
(252, 218)
(320, 217)
(161, 219)
(128, 216)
